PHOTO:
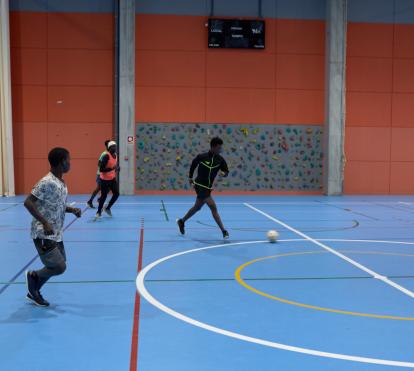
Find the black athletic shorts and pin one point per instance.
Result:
(202, 193)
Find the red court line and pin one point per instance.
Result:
(133, 365)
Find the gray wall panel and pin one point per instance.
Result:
(176, 7)
(236, 8)
(404, 11)
(78, 6)
(28, 5)
(301, 9)
(376, 11)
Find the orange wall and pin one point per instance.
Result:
(178, 79)
(380, 109)
(62, 86)
(62, 77)
(62, 68)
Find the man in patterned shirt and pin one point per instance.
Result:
(47, 204)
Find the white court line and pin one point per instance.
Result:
(347, 240)
(342, 256)
(140, 283)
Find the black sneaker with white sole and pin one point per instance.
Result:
(45, 302)
(31, 282)
(37, 299)
(226, 235)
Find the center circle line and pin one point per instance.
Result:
(140, 283)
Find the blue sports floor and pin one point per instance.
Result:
(335, 293)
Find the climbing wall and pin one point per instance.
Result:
(260, 157)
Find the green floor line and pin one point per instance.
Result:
(9, 207)
(164, 210)
(73, 282)
(210, 280)
(269, 279)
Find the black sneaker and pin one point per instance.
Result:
(46, 303)
(90, 204)
(31, 283)
(181, 226)
(37, 299)
(226, 235)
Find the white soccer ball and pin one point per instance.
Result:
(272, 236)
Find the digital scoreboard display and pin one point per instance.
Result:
(235, 33)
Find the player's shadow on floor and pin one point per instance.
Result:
(30, 313)
(210, 242)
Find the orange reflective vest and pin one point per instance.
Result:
(112, 162)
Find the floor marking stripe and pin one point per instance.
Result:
(133, 366)
(140, 283)
(163, 209)
(242, 282)
(327, 248)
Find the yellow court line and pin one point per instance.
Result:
(240, 280)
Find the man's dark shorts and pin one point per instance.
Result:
(202, 193)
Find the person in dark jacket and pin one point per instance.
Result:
(208, 165)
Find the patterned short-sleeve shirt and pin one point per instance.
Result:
(52, 194)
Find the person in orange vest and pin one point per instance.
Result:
(98, 178)
(108, 168)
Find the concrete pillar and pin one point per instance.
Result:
(6, 131)
(334, 158)
(126, 94)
